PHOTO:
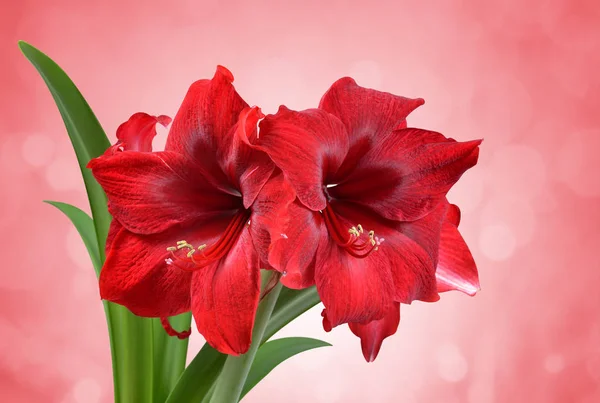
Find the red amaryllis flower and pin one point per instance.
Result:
(456, 270)
(366, 224)
(191, 216)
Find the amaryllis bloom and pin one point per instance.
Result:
(190, 222)
(456, 270)
(365, 227)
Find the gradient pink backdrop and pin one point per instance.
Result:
(521, 74)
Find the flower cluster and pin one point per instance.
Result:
(344, 197)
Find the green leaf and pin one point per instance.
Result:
(87, 136)
(273, 353)
(290, 305)
(145, 362)
(197, 381)
(198, 378)
(85, 226)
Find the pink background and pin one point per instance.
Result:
(521, 74)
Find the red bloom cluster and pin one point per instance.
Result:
(344, 197)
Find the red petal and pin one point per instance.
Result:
(113, 230)
(136, 275)
(366, 113)
(270, 214)
(352, 289)
(326, 324)
(373, 333)
(453, 214)
(202, 127)
(406, 251)
(247, 168)
(138, 132)
(294, 254)
(151, 192)
(408, 173)
(225, 298)
(426, 230)
(308, 146)
(456, 268)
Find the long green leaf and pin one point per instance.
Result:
(139, 374)
(87, 136)
(198, 378)
(273, 353)
(85, 226)
(290, 305)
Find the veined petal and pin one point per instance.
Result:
(308, 146)
(456, 269)
(113, 230)
(373, 333)
(202, 127)
(367, 115)
(352, 289)
(426, 230)
(151, 192)
(247, 167)
(270, 217)
(406, 251)
(138, 132)
(408, 173)
(295, 254)
(137, 275)
(225, 298)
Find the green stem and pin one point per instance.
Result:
(233, 377)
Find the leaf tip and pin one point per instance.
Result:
(24, 45)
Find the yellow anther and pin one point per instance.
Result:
(354, 231)
(191, 252)
(171, 249)
(360, 228)
(181, 242)
(201, 246)
(373, 243)
(371, 234)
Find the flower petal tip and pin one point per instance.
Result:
(164, 120)
(257, 112)
(283, 109)
(223, 72)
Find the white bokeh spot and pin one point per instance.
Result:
(37, 150)
(554, 363)
(452, 365)
(497, 242)
(63, 174)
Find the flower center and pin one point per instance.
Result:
(353, 240)
(204, 255)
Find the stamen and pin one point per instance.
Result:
(354, 243)
(203, 255)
